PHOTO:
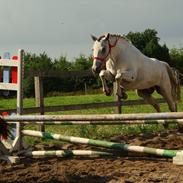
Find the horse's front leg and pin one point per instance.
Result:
(106, 75)
(127, 76)
(120, 90)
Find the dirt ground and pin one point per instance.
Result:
(123, 169)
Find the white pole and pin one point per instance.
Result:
(19, 82)
(20, 72)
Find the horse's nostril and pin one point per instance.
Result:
(96, 70)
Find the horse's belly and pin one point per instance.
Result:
(138, 85)
(145, 79)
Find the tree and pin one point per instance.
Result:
(38, 63)
(62, 64)
(176, 55)
(82, 63)
(32, 62)
(148, 43)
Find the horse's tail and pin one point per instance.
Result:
(175, 83)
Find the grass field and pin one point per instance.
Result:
(95, 131)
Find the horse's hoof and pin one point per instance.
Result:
(108, 92)
(165, 125)
(124, 96)
(180, 128)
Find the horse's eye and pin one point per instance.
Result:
(103, 50)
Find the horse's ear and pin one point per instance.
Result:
(107, 36)
(93, 38)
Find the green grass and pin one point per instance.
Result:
(66, 100)
(96, 131)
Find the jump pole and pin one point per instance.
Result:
(135, 122)
(67, 153)
(176, 154)
(98, 117)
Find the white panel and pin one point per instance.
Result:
(8, 86)
(9, 62)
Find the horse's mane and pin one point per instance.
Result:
(120, 36)
(117, 36)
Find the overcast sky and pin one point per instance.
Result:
(63, 27)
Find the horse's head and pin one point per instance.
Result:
(101, 52)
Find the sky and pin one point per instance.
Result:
(63, 27)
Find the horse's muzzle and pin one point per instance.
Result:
(96, 68)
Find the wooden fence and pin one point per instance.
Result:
(40, 108)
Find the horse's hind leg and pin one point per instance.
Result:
(148, 98)
(165, 91)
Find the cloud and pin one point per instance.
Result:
(67, 25)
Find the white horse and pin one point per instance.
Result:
(116, 59)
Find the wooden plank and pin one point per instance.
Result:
(95, 105)
(60, 74)
(81, 106)
(8, 86)
(39, 98)
(39, 93)
(117, 99)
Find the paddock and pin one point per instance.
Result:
(134, 167)
(116, 154)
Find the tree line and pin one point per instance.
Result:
(147, 42)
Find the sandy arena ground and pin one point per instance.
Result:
(121, 169)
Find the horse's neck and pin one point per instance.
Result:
(126, 52)
(124, 56)
(116, 55)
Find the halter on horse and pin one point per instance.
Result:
(115, 58)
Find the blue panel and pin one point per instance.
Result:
(6, 75)
(6, 70)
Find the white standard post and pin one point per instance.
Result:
(20, 71)
(20, 84)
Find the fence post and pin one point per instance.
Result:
(18, 143)
(38, 83)
(117, 98)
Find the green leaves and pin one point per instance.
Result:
(148, 43)
(43, 63)
(176, 55)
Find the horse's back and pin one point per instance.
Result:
(150, 72)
